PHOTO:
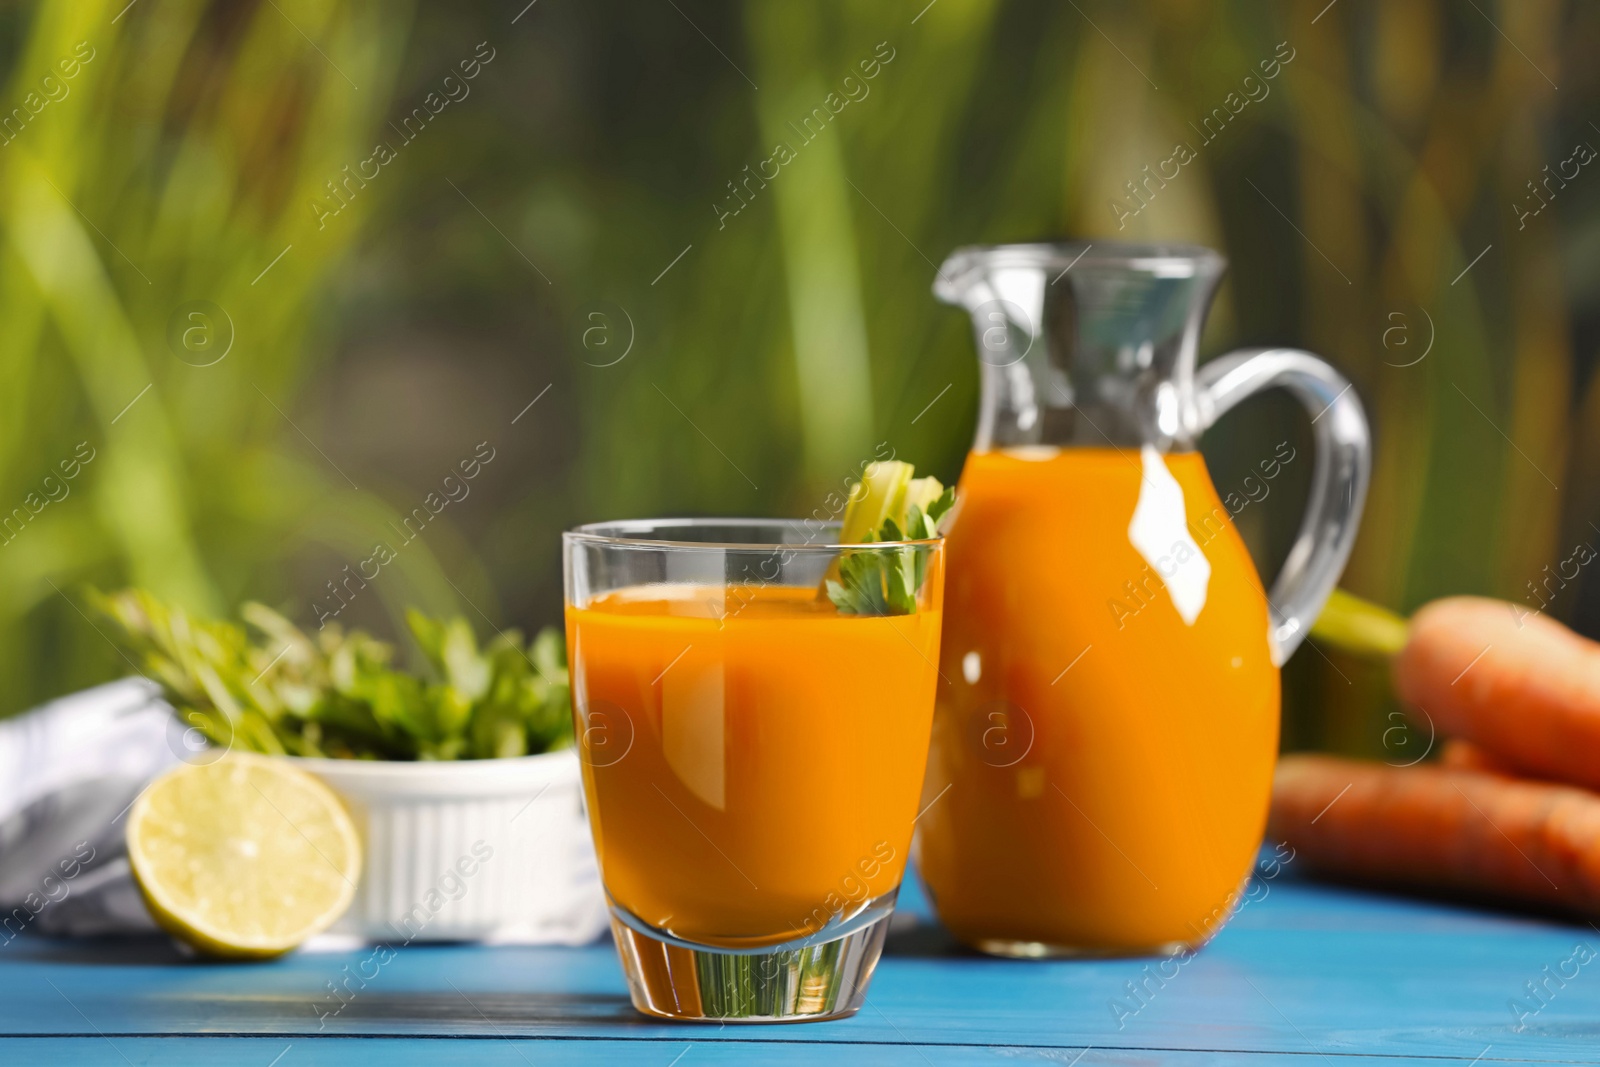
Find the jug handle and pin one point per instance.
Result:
(1342, 467)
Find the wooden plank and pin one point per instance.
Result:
(1308, 969)
(551, 1052)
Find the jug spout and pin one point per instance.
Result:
(1085, 344)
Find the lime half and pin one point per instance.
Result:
(245, 857)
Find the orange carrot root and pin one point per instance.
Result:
(1519, 686)
(1436, 828)
(1465, 756)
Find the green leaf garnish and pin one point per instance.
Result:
(888, 505)
(336, 694)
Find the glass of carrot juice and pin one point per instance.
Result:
(752, 754)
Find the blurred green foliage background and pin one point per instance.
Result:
(558, 229)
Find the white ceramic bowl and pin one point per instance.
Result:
(492, 850)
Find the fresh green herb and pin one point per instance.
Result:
(888, 505)
(335, 694)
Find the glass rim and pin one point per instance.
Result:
(1169, 259)
(615, 533)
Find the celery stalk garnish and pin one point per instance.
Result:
(889, 505)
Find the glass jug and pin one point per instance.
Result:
(1106, 730)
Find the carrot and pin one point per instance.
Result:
(1524, 689)
(1521, 687)
(1466, 756)
(1434, 828)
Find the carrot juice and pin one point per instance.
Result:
(752, 757)
(1108, 735)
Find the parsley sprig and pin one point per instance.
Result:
(284, 692)
(888, 505)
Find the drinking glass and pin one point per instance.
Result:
(752, 755)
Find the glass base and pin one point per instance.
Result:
(1038, 950)
(810, 979)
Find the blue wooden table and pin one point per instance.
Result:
(1305, 974)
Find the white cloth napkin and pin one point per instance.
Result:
(69, 771)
